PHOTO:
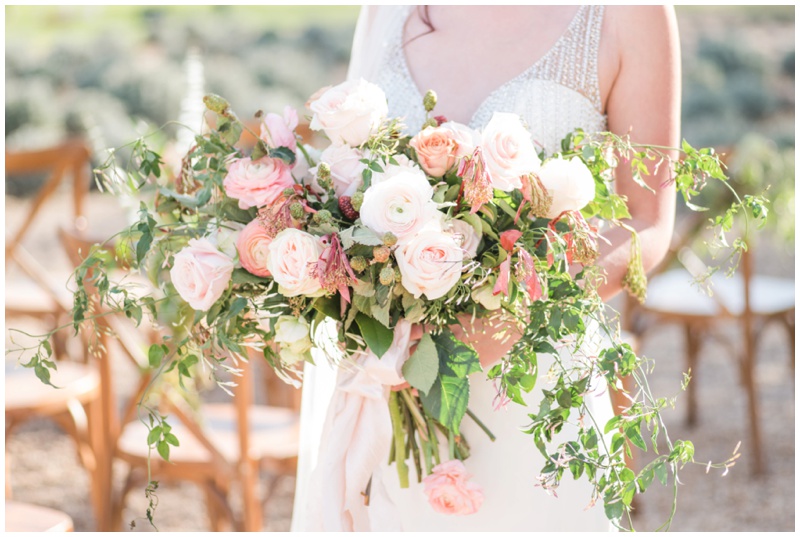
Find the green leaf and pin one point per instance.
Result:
(447, 400)
(646, 478)
(283, 153)
(154, 435)
(43, 374)
(155, 355)
(576, 467)
(628, 493)
(378, 337)
(170, 438)
(422, 367)
(660, 470)
(614, 509)
(456, 356)
(527, 382)
(564, 399)
(163, 450)
(634, 433)
(328, 306)
(359, 235)
(241, 276)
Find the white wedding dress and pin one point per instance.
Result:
(554, 96)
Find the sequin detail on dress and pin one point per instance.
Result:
(555, 95)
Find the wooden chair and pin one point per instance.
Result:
(75, 406)
(223, 445)
(748, 299)
(42, 296)
(28, 517)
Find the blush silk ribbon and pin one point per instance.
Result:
(355, 444)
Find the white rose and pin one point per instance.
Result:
(466, 139)
(224, 236)
(569, 182)
(290, 258)
(293, 336)
(508, 150)
(466, 236)
(404, 164)
(430, 263)
(485, 297)
(346, 167)
(400, 205)
(349, 113)
(201, 273)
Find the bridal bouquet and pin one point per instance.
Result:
(287, 248)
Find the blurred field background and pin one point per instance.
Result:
(111, 74)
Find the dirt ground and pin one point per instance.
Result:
(44, 468)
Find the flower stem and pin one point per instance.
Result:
(399, 440)
(480, 424)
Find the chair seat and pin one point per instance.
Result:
(674, 292)
(25, 394)
(274, 434)
(29, 517)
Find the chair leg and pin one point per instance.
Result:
(692, 353)
(253, 518)
(749, 382)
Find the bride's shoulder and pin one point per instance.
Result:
(640, 29)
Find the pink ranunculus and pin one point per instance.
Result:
(435, 149)
(278, 131)
(257, 183)
(401, 205)
(201, 273)
(508, 150)
(449, 490)
(252, 245)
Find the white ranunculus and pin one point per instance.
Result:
(400, 205)
(404, 164)
(201, 273)
(508, 150)
(485, 297)
(346, 167)
(430, 263)
(290, 258)
(466, 139)
(466, 236)
(349, 113)
(569, 182)
(293, 336)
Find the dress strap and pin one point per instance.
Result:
(574, 61)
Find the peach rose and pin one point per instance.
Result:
(569, 182)
(252, 246)
(508, 150)
(435, 149)
(449, 490)
(257, 183)
(430, 263)
(349, 113)
(201, 273)
(290, 257)
(277, 131)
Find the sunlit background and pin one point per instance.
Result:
(108, 75)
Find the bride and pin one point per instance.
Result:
(560, 68)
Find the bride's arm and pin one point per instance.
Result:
(643, 100)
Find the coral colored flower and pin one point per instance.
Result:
(252, 246)
(435, 149)
(257, 183)
(449, 490)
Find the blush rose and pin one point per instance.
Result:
(257, 183)
(201, 273)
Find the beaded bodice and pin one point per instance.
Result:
(554, 96)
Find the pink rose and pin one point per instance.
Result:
(346, 167)
(291, 256)
(467, 237)
(508, 151)
(201, 273)
(252, 246)
(430, 263)
(435, 149)
(278, 131)
(449, 490)
(257, 183)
